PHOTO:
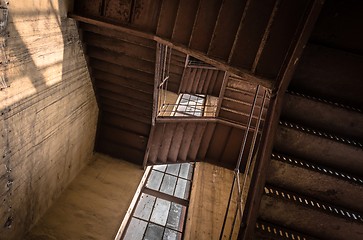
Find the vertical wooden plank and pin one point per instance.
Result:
(185, 80)
(232, 149)
(196, 80)
(207, 136)
(184, 21)
(191, 79)
(207, 81)
(156, 142)
(282, 32)
(167, 18)
(208, 203)
(145, 14)
(202, 80)
(196, 141)
(212, 82)
(166, 142)
(187, 138)
(176, 142)
(217, 142)
(251, 32)
(118, 10)
(204, 24)
(226, 28)
(218, 84)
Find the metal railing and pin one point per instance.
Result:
(234, 214)
(162, 70)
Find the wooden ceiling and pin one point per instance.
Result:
(253, 39)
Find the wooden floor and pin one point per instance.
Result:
(94, 204)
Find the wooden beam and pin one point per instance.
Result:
(260, 170)
(244, 74)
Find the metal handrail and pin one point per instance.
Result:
(242, 185)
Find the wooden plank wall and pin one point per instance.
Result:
(48, 115)
(208, 203)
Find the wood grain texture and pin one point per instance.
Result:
(49, 113)
(99, 197)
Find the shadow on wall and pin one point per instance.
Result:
(48, 112)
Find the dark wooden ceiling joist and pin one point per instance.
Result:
(245, 74)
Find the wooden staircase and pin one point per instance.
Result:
(201, 80)
(315, 181)
(251, 35)
(237, 100)
(208, 140)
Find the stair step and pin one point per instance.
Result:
(186, 142)
(267, 231)
(326, 184)
(309, 215)
(196, 141)
(207, 137)
(319, 147)
(166, 142)
(324, 115)
(176, 142)
(156, 143)
(242, 107)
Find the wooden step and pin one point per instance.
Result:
(207, 137)
(309, 215)
(267, 231)
(324, 183)
(319, 147)
(322, 114)
(177, 141)
(166, 142)
(322, 66)
(196, 141)
(156, 143)
(186, 142)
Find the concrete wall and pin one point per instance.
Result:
(48, 114)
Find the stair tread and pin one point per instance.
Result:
(319, 149)
(326, 187)
(323, 115)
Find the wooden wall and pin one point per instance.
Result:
(208, 203)
(48, 114)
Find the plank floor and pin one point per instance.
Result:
(94, 204)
